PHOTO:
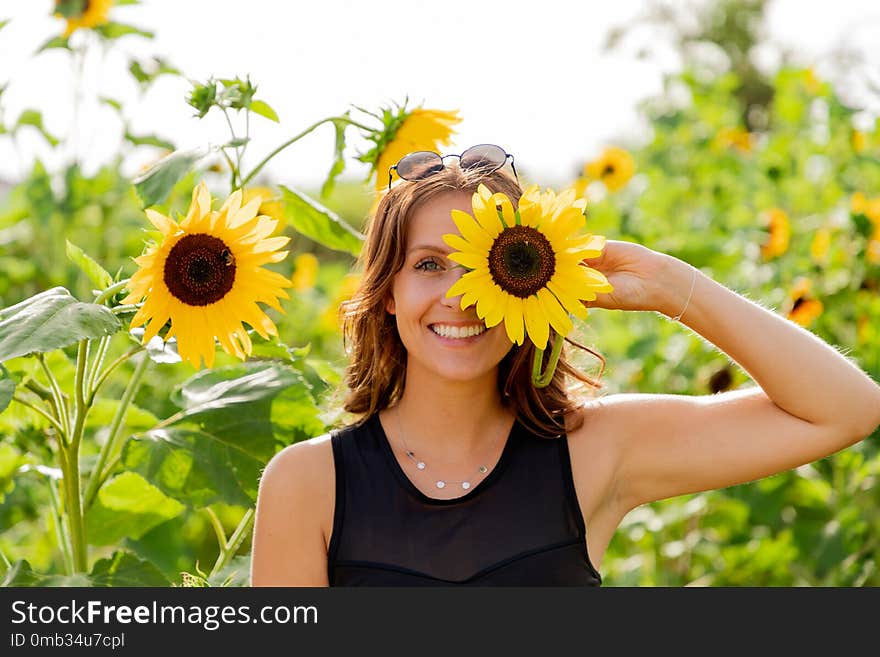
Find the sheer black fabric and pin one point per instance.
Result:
(520, 526)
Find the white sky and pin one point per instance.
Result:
(526, 75)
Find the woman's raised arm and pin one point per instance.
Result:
(811, 401)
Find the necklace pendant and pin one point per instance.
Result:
(465, 484)
(420, 465)
(483, 469)
(441, 484)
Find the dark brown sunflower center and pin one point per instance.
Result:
(200, 270)
(521, 261)
(608, 170)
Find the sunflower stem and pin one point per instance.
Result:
(98, 476)
(110, 291)
(112, 366)
(70, 461)
(63, 535)
(543, 380)
(37, 409)
(236, 170)
(297, 138)
(61, 409)
(231, 547)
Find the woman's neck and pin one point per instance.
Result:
(450, 418)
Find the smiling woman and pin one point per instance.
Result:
(460, 470)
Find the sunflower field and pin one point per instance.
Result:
(163, 335)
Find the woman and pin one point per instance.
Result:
(460, 471)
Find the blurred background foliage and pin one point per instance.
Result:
(767, 180)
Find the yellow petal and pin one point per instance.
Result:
(459, 243)
(469, 260)
(471, 230)
(495, 314)
(559, 319)
(537, 323)
(513, 319)
(557, 285)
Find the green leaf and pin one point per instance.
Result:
(235, 143)
(117, 30)
(122, 569)
(136, 419)
(51, 320)
(35, 119)
(154, 185)
(55, 42)
(4, 24)
(7, 388)
(21, 574)
(115, 104)
(128, 506)
(148, 140)
(262, 108)
(10, 460)
(338, 161)
(217, 446)
(125, 569)
(96, 273)
(320, 224)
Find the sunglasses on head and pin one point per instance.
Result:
(418, 165)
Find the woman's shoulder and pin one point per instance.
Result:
(593, 447)
(307, 464)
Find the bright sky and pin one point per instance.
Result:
(529, 76)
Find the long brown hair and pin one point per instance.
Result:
(376, 373)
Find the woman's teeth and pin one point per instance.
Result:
(456, 331)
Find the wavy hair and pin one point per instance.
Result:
(376, 372)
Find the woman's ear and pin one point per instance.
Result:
(389, 304)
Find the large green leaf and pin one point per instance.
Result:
(316, 222)
(51, 320)
(125, 569)
(216, 447)
(122, 569)
(7, 389)
(154, 185)
(128, 506)
(116, 30)
(96, 273)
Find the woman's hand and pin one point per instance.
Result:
(635, 271)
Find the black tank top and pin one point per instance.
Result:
(520, 526)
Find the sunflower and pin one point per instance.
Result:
(780, 233)
(526, 265)
(738, 138)
(82, 13)
(820, 245)
(404, 131)
(614, 168)
(206, 277)
(804, 307)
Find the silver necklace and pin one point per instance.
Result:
(421, 465)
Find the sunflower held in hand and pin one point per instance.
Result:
(526, 265)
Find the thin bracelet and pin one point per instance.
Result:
(693, 283)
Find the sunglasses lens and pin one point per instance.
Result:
(483, 156)
(418, 165)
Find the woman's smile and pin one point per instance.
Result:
(457, 334)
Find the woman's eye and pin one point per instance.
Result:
(426, 265)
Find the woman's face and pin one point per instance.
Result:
(428, 323)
